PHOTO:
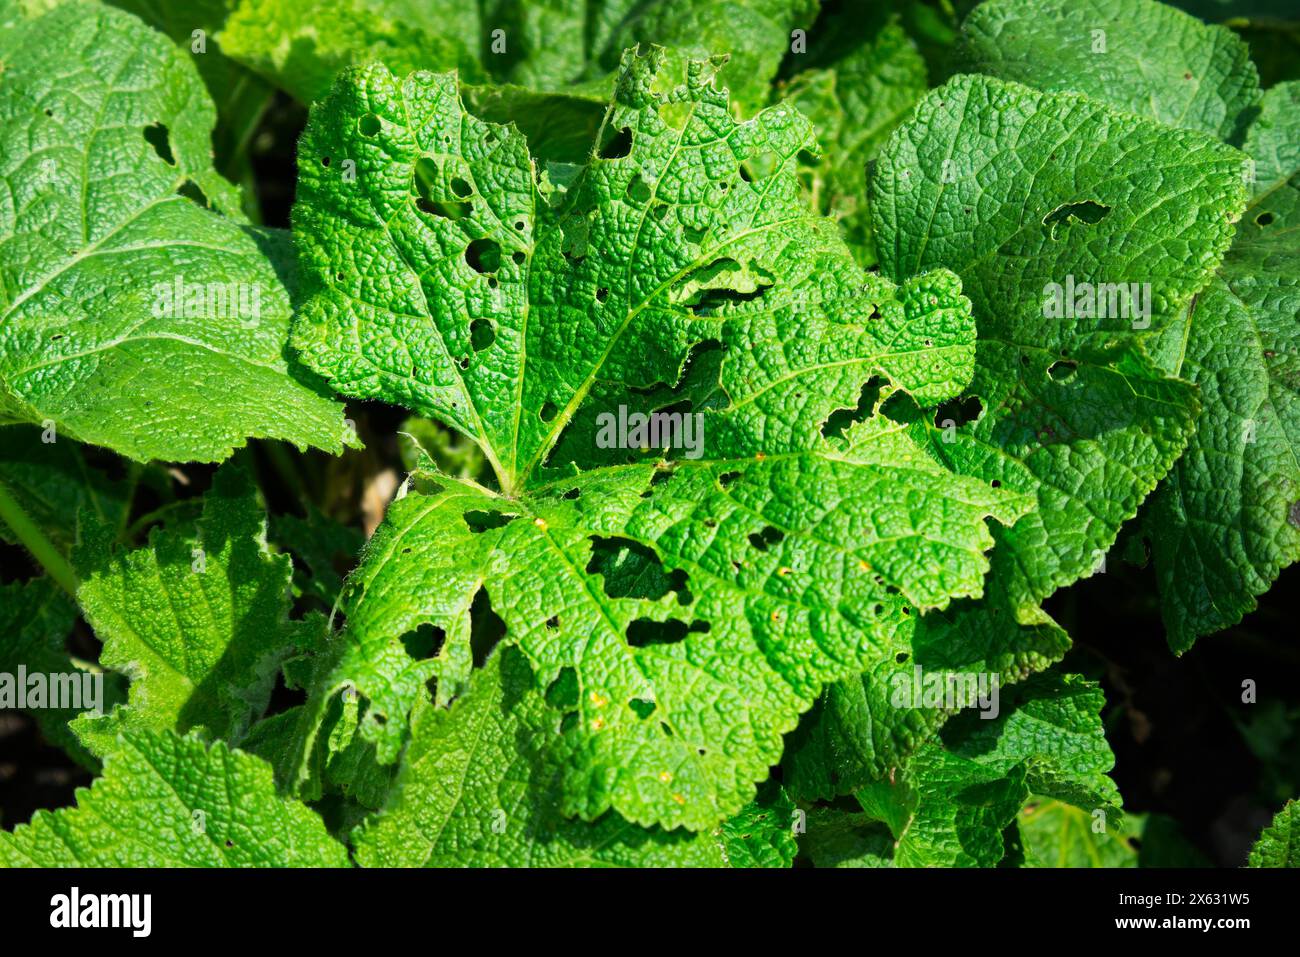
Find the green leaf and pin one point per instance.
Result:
(785, 558)
(947, 811)
(1140, 56)
(840, 838)
(1221, 524)
(1279, 844)
(1052, 723)
(322, 547)
(198, 619)
(36, 618)
(1015, 190)
(105, 132)
(855, 104)
(762, 834)
(300, 45)
(523, 48)
(755, 34)
(1060, 834)
(240, 97)
(53, 483)
(479, 788)
(167, 801)
(856, 734)
(950, 805)
(1227, 520)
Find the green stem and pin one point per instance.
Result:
(34, 540)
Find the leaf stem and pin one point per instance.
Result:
(34, 540)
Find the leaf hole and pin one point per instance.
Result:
(480, 520)
(1062, 370)
(549, 409)
(638, 190)
(1264, 219)
(617, 145)
(632, 570)
(482, 334)
(959, 411)
(483, 255)
(486, 627)
(839, 421)
(424, 642)
(369, 125)
(1086, 212)
(190, 190)
(642, 707)
(157, 136)
(765, 539)
(643, 632)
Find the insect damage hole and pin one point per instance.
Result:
(190, 190)
(434, 195)
(839, 421)
(482, 334)
(1086, 212)
(643, 632)
(958, 412)
(158, 136)
(486, 628)
(480, 520)
(617, 145)
(369, 125)
(765, 539)
(1062, 370)
(483, 255)
(424, 642)
(630, 569)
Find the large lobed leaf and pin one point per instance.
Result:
(1224, 523)
(780, 558)
(198, 619)
(168, 801)
(1019, 189)
(479, 787)
(104, 138)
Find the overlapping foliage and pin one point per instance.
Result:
(512, 219)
